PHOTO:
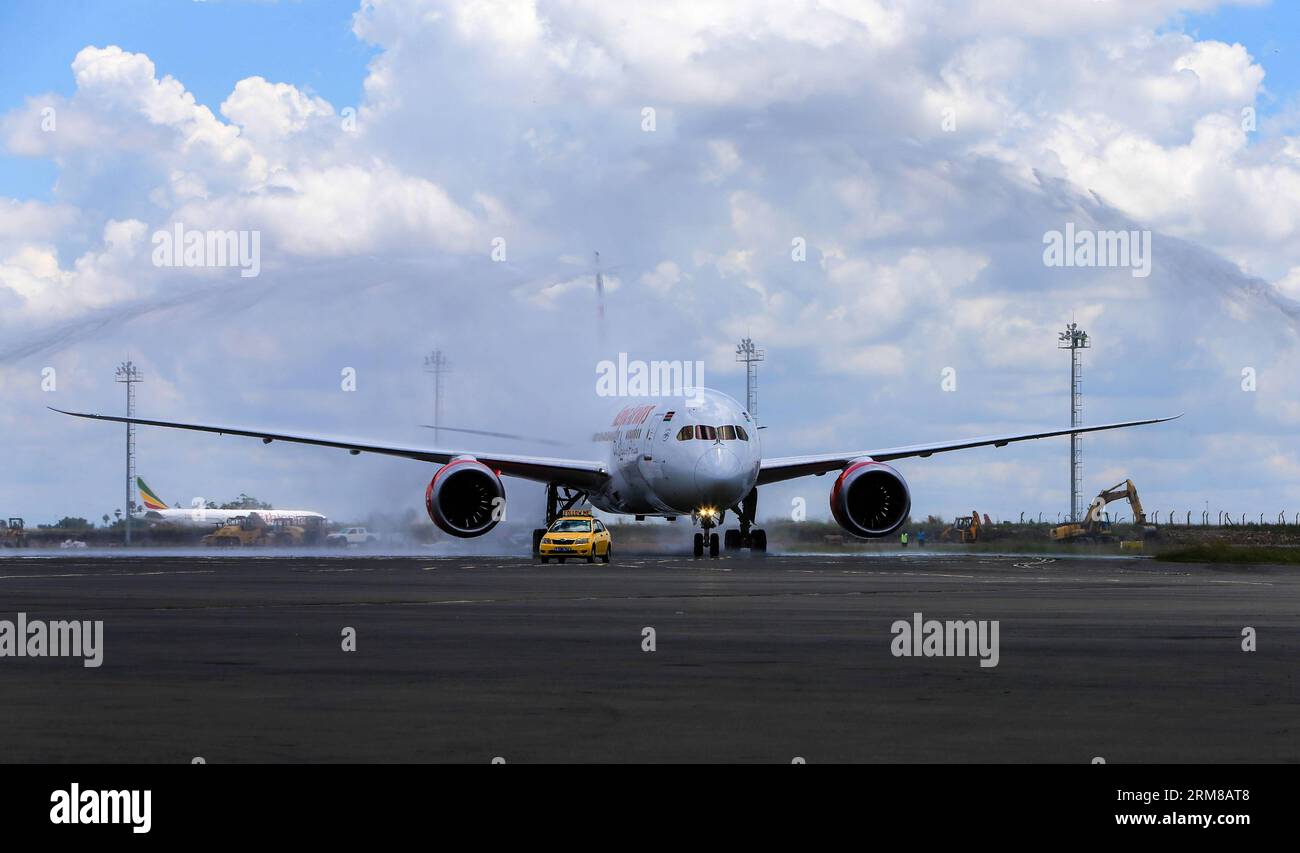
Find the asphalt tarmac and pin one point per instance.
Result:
(468, 659)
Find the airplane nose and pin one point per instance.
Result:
(717, 477)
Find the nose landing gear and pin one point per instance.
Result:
(748, 536)
(708, 520)
(706, 540)
(700, 543)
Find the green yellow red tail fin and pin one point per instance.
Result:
(147, 497)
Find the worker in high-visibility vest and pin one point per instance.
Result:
(903, 539)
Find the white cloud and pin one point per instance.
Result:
(272, 109)
(284, 167)
(34, 220)
(1289, 285)
(663, 277)
(345, 210)
(725, 160)
(98, 278)
(775, 120)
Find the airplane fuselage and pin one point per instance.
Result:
(202, 518)
(679, 455)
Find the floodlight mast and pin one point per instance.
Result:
(1075, 339)
(750, 355)
(129, 375)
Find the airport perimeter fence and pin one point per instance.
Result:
(1179, 518)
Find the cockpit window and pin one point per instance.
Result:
(700, 432)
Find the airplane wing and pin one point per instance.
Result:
(576, 473)
(790, 467)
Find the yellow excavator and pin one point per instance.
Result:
(967, 528)
(1096, 524)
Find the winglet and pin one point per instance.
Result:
(73, 414)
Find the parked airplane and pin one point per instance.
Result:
(157, 512)
(667, 456)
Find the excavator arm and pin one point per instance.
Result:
(1093, 524)
(1120, 491)
(1139, 515)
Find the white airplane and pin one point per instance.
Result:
(155, 511)
(667, 456)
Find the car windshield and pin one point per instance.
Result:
(571, 525)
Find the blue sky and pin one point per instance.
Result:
(1272, 35)
(209, 45)
(525, 121)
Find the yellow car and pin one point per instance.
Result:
(576, 534)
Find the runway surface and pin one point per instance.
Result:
(760, 660)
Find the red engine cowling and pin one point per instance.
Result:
(465, 498)
(870, 499)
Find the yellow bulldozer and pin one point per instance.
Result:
(238, 532)
(13, 533)
(252, 530)
(967, 528)
(1095, 526)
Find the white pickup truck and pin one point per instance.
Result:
(350, 536)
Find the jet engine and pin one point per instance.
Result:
(465, 498)
(870, 499)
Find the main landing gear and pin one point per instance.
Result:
(748, 536)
